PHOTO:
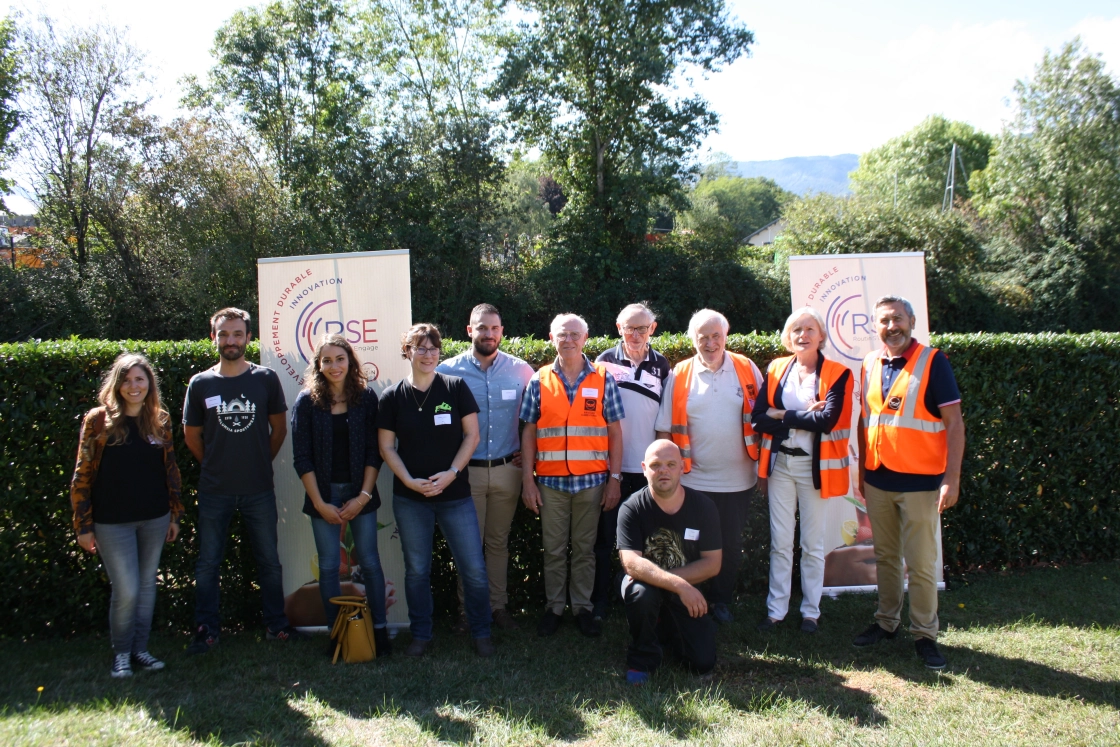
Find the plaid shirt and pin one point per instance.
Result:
(612, 413)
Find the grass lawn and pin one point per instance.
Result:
(1034, 658)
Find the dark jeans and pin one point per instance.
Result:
(416, 521)
(130, 553)
(732, 508)
(606, 540)
(259, 513)
(328, 541)
(657, 617)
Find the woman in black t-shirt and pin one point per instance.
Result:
(334, 452)
(125, 495)
(427, 431)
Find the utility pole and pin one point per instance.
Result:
(951, 178)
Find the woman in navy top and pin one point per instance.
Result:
(334, 451)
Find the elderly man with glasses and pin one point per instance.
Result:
(706, 412)
(573, 439)
(640, 372)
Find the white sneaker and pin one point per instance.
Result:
(122, 666)
(146, 661)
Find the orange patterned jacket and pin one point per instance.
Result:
(91, 445)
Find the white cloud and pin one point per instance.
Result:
(817, 91)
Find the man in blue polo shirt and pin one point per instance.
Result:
(640, 372)
(497, 381)
(911, 443)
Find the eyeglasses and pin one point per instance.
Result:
(424, 351)
(568, 335)
(627, 330)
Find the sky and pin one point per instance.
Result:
(823, 78)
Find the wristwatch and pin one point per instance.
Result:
(453, 469)
(617, 476)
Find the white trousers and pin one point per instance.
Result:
(790, 488)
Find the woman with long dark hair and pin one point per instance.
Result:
(334, 451)
(125, 496)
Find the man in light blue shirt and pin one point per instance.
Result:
(497, 381)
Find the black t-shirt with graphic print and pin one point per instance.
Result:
(669, 540)
(429, 428)
(233, 413)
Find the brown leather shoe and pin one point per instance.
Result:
(504, 620)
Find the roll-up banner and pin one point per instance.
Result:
(843, 287)
(366, 297)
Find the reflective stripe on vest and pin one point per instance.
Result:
(572, 436)
(749, 381)
(908, 437)
(834, 461)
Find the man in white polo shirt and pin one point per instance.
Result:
(640, 372)
(706, 411)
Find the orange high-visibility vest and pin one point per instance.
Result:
(748, 380)
(902, 434)
(572, 436)
(835, 476)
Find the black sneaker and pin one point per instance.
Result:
(588, 625)
(873, 635)
(122, 666)
(288, 634)
(722, 614)
(147, 662)
(381, 640)
(548, 624)
(203, 640)
(600, 612)
(930, 654)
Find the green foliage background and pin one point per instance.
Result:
(1038, 479)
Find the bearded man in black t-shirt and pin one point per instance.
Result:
(669, 544)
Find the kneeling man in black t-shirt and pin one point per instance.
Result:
(669, 543)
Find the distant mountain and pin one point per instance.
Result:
(804, 174)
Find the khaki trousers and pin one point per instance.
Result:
(574, 516)
(905, 527)
(496, 492)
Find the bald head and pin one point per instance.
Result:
(663, 467)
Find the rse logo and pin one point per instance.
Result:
(750, 391)
(589, 404)
(894, 403)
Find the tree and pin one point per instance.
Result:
(588, 82)
(1052, 187)
(81, 113)
(961, 298)
(9, 89)
(910, 170)
(740, 206)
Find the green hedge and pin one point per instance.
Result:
(1038, 474)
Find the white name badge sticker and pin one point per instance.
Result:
(213, 401)
(589, 392)
(443, 418)
(691, 534)
(509, 394)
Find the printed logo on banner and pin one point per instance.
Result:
(307, 308)
(849, 325)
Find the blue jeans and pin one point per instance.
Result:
(327, 542)
(130, 553)
(259, 513)
(416, 521)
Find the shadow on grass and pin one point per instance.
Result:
(248, 691)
